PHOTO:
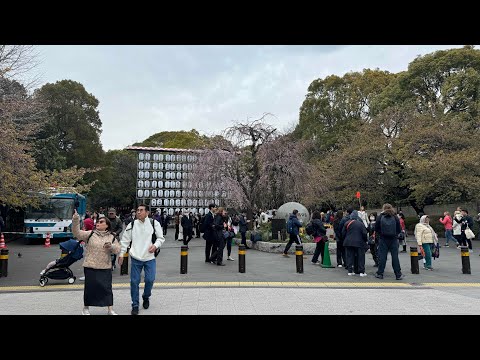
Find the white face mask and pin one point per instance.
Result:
(372, 218)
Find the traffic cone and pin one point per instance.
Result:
(326, 263)
(47, 241)
(2, 242)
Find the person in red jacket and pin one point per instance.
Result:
(447, 223)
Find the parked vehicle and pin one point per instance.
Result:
(54, 215)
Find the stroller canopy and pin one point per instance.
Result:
(73, 247)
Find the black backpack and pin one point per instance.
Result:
(154, 237)
(388, 226)
(310, 229)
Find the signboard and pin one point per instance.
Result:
(162, 175)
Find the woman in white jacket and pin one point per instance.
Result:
(425, 236)
(457, 228)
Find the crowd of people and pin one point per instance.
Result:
(356, 233)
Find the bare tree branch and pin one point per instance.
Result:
(16, 61)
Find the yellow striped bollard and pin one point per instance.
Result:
(414, 260)
(465, 260)
(299, 258)
(241, 258)
(4, 262)
(183, 259)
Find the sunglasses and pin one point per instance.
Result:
(101, 222)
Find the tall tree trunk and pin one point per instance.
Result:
(418, 209)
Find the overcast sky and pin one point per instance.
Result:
(147, 89)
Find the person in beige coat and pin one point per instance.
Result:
(97, 264)
(426, 236)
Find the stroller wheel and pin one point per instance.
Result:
(43, 281)
(71, 280)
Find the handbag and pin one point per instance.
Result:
(371, 240)
(469, 233)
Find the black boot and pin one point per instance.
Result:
(404, 248)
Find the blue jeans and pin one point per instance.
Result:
(136, 269)
(449, 236)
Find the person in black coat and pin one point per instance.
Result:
(319, 236)
(355, 242)
(387, 242)
(466, 221)
(196, 224)
(339, 235)
(243, 229)
(219, 225)
(208, 234)
(164, 221)
(187, 226)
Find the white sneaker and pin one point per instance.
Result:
(42, 272)
(351, 274)
(111, 312)
(81, 278)
(363, 274)
(230, 258)
(339, 265)
(85, 311)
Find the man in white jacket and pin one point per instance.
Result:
(142, 254)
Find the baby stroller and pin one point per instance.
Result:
(59, 269)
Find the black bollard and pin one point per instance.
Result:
(124, 267)
(183, 259)
(415, 269)
(4, 262)
(299, 258)
(465, 259)
(241, 258)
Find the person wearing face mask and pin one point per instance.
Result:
(371, 238)
(362, 214)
